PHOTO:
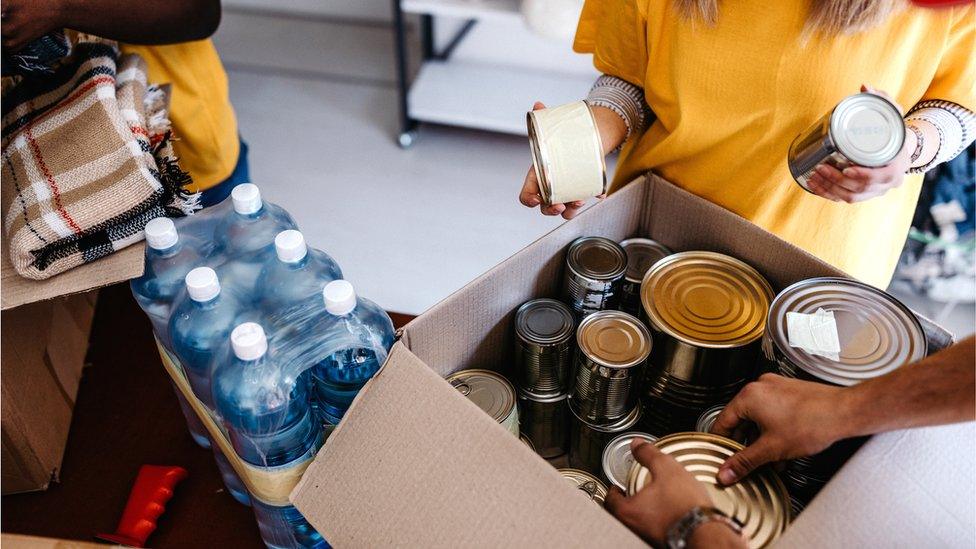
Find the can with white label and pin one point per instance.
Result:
(567, 154)
(864, 129)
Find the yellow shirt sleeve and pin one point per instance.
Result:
(955, 78)
(615, 32)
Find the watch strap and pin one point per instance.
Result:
(680, 532)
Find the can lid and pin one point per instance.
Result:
(597, 258)
(877, 333)
(489, 391)
(707, 419)
(544, 322)
(759, 501)
(591, 486)
(868, 129)
(642, 254)
(706, 299)
(615, 426)
(617, 459)
(614, 339)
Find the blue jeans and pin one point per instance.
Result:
(241, 174)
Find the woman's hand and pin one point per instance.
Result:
(612, 130)
(857, 183)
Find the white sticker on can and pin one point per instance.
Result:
(814, 333)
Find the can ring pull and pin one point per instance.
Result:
(462, 387)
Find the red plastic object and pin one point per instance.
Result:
(154, 487)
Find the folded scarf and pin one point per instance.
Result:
(87, 161)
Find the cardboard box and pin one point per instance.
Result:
(414, 463)
(17, 541)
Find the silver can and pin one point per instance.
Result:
(491, 392)
(544, 331)
(613, 347)
(595, 268)
(617, 459)
(587, 439)
(642, 254)
(864, 129)
(545, 422)
(708, 418)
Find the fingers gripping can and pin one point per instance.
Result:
(594, 272)
(864, 129)
(567, 154)
(617, 459)
(491, 392)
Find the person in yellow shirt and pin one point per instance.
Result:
(732, 83)
(172, 37)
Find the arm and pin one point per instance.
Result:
(937, 390)
(134, 22)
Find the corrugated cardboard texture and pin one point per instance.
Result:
(43, 351)
(16, 541)
(122, 265)
(902, 489)
(415, 464)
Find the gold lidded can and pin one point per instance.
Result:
(759, 502)
(863, 129)
(592, 487)
(617, 459)
(587, 439)
(544, 332)
(595, 268)
(642, 254)
(567, 154)
(613, 347)
(491, 392)
(545, 420)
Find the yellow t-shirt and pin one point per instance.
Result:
(730, 98)
(203, 119)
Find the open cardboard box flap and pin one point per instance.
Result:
(413, 463)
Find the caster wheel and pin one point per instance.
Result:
(406, 139)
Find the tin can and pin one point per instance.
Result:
(617, 459)
(595, 269)
(567, 153)
(707, 419)
(613, 347)
(545, 420)
(642, 254)
(525, 440)
(491, 392)
(591, 486)
(587, 440)
(758, 502)
(544, 332)
(864, 129)
(707, 312)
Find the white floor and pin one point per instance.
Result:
(316, 102)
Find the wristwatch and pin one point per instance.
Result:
(681, 531)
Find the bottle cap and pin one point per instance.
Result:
(248, 341)
(290, 246)
(161, 233)
(246, 198)
(340, 297)
(202, 284)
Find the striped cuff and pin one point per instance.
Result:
(623, 98)
(956, 126)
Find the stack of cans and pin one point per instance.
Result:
(491, 392)
(594, 274)
(642, 254)
(707, 312)
(544, 334)
(612, 350)
(759, 502)
(876, 335)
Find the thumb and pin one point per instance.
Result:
(745, 461)
(538, 106)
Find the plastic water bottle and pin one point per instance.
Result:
(296, 275)
(270, 424)
(200, 326)
(168, 259)
(245, 237)
(364, 333)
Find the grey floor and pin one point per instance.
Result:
(316, 102)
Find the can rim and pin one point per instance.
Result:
(542, 398)
(639, 326)
(564, 334)
(608, 452)
(502, 415)
(618, 425)
(893, 118)
(610, 244)
(630, 274)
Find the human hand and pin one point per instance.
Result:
(530, 196)
(670, 493)
(795, 418)
(858, 183)
(27, 20)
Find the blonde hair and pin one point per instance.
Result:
(826, 16)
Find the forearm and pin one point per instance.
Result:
(142, 22)
(713, 535)
(613, 130)
(623, 111)
(938, 390)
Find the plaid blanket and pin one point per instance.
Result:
(87, 161)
